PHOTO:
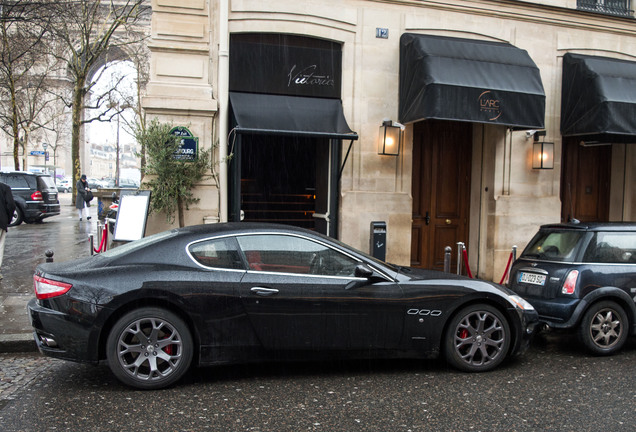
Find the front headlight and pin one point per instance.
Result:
(520, 303)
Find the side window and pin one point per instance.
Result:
(290, 254)
(618, 248)
(17, 182)
(217, 253)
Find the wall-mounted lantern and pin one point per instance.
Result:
(542, 153)
(390, 138)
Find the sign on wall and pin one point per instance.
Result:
(285, 65)
(189, 148)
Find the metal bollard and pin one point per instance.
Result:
(514, 253)
(49, 255)
(99, 233)
(91, 243)
(460, 249)
(447, 258)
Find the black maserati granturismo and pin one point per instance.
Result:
(241, 292)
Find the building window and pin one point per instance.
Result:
(610, 7)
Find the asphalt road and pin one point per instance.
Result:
(554, 387)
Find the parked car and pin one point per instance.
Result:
(35, 196)
(241, 292)
(64, 185)
(128, 184)
(582, 277)
(94, 183)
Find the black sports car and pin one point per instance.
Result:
(239, 292)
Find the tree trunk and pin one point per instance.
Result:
(78, 105)
(181, 212)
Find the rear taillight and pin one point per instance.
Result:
(47, 288)
(36, 196)
(570, 282)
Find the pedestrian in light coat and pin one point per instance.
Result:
(7, 208)
(80, 200)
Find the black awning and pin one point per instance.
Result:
(598, 100)
(290, 115)
(469, 80)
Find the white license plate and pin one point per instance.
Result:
(532, 278)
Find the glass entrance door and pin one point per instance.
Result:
(285, 179)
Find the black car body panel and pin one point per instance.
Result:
(606, 272)
(249, 311)
(25, 188)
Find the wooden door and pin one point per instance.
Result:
(441, 190)
(585, 182)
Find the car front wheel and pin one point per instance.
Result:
(149, 348)
(477, 339)
(604, 327)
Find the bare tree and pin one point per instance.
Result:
(57, 131)
(22, 47)
(93, 32)
(140, 57)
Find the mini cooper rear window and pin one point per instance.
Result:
(554, 245)
(612, 247)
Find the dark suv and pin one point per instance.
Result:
(35, 196)
(582, 276)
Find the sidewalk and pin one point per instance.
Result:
(24, 249)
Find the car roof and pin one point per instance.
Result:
(243, 227)
(592, 226)
(26, 173)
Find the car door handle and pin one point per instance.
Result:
(262, 291)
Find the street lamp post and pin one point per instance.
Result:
(119, 107)
(117, 154)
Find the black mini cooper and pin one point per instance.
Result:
(582, 276)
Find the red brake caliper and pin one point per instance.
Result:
(168, 349)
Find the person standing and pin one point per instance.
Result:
(7, 208)
(80, 200)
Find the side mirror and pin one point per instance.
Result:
(363, 271)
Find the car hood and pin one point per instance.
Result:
(441, 279)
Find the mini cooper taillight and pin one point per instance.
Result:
(570, 282)
(47, 288)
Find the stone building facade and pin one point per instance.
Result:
(246, 77)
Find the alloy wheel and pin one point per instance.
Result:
(606, 328)
(478, 339)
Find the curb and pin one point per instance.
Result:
(15, 343)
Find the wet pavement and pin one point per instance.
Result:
(555, 386)
(25, 248)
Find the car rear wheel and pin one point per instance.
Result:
(604, 327)
(477, 339)
(18, 217)
(149, 348)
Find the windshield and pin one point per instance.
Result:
(554, 245)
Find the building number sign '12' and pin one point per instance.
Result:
(189, 146)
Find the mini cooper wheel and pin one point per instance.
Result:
(149, 348)
(603, 328)
(477, 339)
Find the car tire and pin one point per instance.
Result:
(154, 365)
(18, 217)
(604, 328)
(477, 339)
